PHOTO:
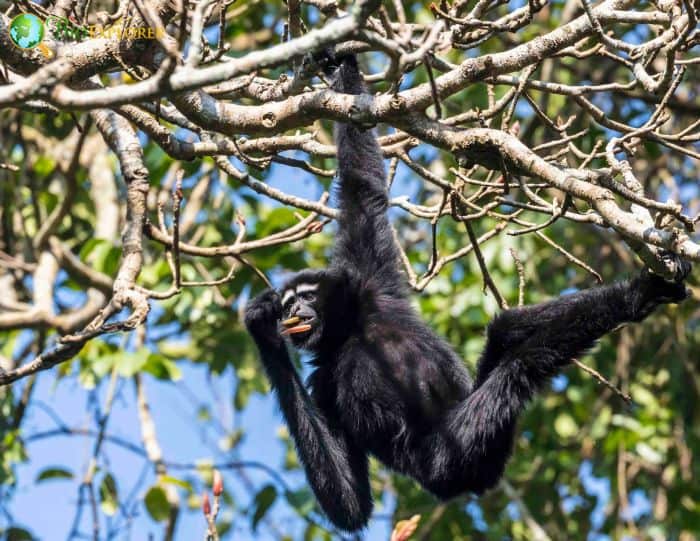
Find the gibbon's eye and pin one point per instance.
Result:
(308, 296)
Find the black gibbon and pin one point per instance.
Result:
(384, 383)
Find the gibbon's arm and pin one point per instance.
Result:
(336, 469)
(365, 241)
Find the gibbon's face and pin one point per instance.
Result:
(301, 313)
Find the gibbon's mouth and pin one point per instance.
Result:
(296, 325)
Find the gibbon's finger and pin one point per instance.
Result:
(296, 330)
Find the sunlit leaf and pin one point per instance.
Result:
(404, 529)
(156, 502)
(54, 474)
(109, 499)
(263, 501)
(565, 425)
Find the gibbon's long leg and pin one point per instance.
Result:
(526, 346)
(336, 469)
(566, 327)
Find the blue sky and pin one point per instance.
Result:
(182, 440)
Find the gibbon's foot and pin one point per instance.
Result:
(675, 290)
(667, 292)
(683, 267)
(653, 290)
(262, 316)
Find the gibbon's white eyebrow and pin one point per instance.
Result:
(301, 288)
(287, 295)
(305, 288)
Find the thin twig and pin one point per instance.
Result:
(521, 276)
(601, 379)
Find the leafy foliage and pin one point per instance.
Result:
(585, 465)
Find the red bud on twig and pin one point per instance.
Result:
(217, 485)
(206, 504)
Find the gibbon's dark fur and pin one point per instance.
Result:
(384, 383)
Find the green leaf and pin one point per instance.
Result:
(18, 534)
(177, 482)
(54, 473)
(12, 448)
(103, 255)
(230, 441)
(203, 413)
(276, 219)
(643, 396)
(48, 200)
(157, 503)
(263, 501)
(648, 453)
(302, 500)
(177, 349)
(7, 343)
(44, 166)
(565, 425)
(162, 368)
(223, 527)
(152, 274)
(109, 499)
(243, 392)
(130, 363)
(314, 531)
(88, 247)
(103, 365)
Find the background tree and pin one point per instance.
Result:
(150, 186)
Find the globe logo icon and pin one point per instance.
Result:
(27, 32)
